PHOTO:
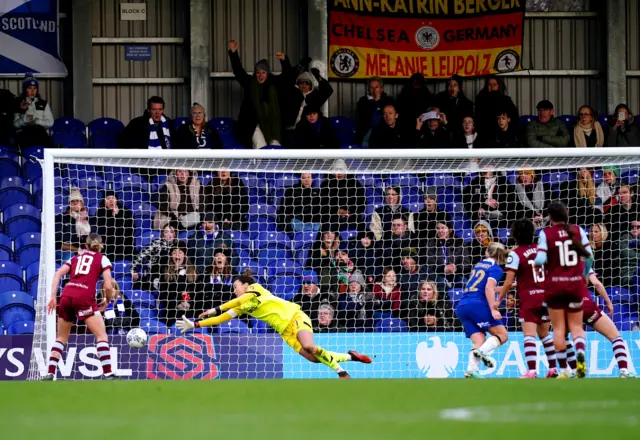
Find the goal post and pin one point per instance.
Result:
(405, 342)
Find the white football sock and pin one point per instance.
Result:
(489, 345)
(474, 362)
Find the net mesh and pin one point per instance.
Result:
(369, 248)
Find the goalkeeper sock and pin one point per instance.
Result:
(105, 357)
(340, 357)
(326, 357)
(490, 344)
(58, 347)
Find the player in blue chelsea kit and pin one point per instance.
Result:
(478, 309)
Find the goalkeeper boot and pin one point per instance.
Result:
(564, 375)
(472, 374)
(357, 357)
(48, 377)
(626, 374)
(486, 360)
(530, 375)
(552, 373)
(344, 375)
(581, 369)
(109, 377)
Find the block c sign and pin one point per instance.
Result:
(133, 11)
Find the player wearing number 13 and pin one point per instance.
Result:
(478, 309)
(78, 301)
(562, 248)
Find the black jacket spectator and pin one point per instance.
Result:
(226, 197)
(7, 130)
(187, 139)
(343, 200)
(510, 138)
(137, 134)
(452, 250)
(296, 98)
(212, 294)
(453, 103)
(366, 255)
(579, 196)
(384, 136)
(177, 291)
(315, 131)
(619, 217)
(147, 266)
(300, 202)
(425, 221)
(73, 225)
(115, 225)
(205, 241)
(414, 99)
(485, 188)
(394, 242)
(492, 100)
(622, 134)
(369, 110)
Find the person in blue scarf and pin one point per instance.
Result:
(197, 134)
(314, 131)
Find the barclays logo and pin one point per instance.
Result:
(435, 360)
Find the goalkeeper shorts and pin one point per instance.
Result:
(299, 322)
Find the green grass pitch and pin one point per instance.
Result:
(322, 409)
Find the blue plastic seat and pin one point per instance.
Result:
(304, 239)
(16, 306)
(241, 240)
(20, 218)
(145, 238)
(284, 267)
(504, 235)
(68, 125)
(371, 180)
(374, 195)
(251, 265)
(569, 121)
(466, 234)
(32, 273)
(6, 248)
(404, 180)
(20, 328)
(142, 298)
(622, 295)
(131, 198)
(178, 122)
(259, 327)
(121, 268)
(144, 224)
(88, 179)
(14, 189)
(283, 180)
(525, 119)
(267, 255)
(31, 168)
(131, 182)
(223, 125)
(105, 125)
(442, 180)
(263, 210)
(9, 164)
(623, 312)
(153, 327)
(345, 128)
(556, 178)
(27, 248)
(234, 326)
(302, 255)
(69, 140)
(603, 121)
(348, 235)
(631, 177)
(272, 239)
(146, 210)
(285, 287)
(391, 325)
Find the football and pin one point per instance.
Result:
(137, 338)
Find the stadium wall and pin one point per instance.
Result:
(228, 356)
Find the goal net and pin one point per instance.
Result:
(376, 247)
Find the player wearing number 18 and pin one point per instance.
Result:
(562, 248)
(78, 301)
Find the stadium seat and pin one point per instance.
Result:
(131, 182)
(624, 312)
(348, 235)
(105, 125)
(603, 119)
(146, 210)
(145, 238)
(404, 180)
(68, 125)
(177, 122)
(622, 295)
(460, 222)
(304, 239)
(391, 325)
(31, 168)
(555, 179)
(20, 328)
(265, 256)
(69, 140)
(6, 248)
(569, 121)
(631, 177)
(302, 255)
(262, 210)
(345, 128)
(372, 180)
(10, 276)
(32, 273)
(351, 147)
(33, 291)
(9, 164)
(283, 180)
(525, 119)
(504, 235)
(284, 267)
(630, 325)
(142, 299)
(272, 240)
(223, 125)
(241, 240)
(375, 196)
(153, 327)
(131, 198)
(88, 179)
(20, 218)
(121, 268)
(454, 296)
(234, 326)
(259, 327)
(16, 306)
(285, 287)
(14, 189)
(144, 224)
(27, 248)
(251, 265)
(443, 180)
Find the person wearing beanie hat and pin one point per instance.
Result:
(532, 197)
(607, 191)
(426, 220)
(546, 131)
(314, 131)
(453, 103)
(116, 226)
(260, 122)
(489, 197)
(32, 117)
(310, 90)
(381, 218)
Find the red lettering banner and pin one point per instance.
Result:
(438, 38)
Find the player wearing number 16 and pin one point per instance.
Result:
(565, 251)
(78, 301)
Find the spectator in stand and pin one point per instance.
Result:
(72, 227)
(588, 131)
(546, 131)
(532, 197)
(369, 110)
(215, 286)
(504, 134)
(305, 94)
(343, 268)
(314, 131)
(343, 199)
(323, 253)
(260, 121)
(366, 255)
(467, 136)
(510, 313)
(629, 246)
(203, 244)
(310, 296)
(32, 117)
(388, 292)
(622, 213)
(179, 201)
(425, 311)
(433, 134)
(226, 197)
(381, 217)
(426, 221)
(198, 134)
(448, 257)
(299, 206)
(326, 322)
(120, 315)
(606, 258)
(153, 130)
(622, 130)
(395, 240)
(579, 196)
(355, 306)
(147, 265)
(177, 287)
(115, 225)
(389, 133)
(492, 100)
(489, 197)
(415, 98)
(411, 273)
(7, 131)
(607, 191)
(453, 103)
(483, 237)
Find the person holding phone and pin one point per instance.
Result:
(623, 131)
(32, 117)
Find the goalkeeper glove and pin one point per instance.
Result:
(185, 325)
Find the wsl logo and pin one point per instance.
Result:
(181, 358)
(436, 361)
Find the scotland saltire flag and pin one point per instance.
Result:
(29, 37)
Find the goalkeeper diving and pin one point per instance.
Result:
(286, 318)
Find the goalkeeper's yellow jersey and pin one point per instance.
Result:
(267, 307)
